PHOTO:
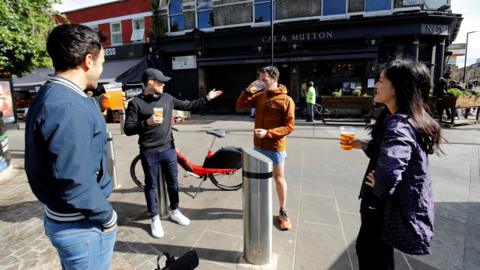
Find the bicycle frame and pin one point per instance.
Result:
(200, 171)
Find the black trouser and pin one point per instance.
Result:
(373, 252)
(151, 161)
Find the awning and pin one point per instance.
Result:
(114, 68)
(135, 73)
(110, 71)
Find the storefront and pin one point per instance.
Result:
(335, 54)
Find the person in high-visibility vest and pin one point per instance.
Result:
(310, 101)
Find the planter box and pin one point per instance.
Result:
(338, 104)
(460, 102)
(454, 103)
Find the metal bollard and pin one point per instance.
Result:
(257, 207)
(112, 169)
(162, 194)
(121, 114)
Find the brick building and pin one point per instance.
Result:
(337, 44)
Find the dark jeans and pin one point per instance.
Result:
(373, 252)
(151, 162)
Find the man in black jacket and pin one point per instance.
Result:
(150, 116)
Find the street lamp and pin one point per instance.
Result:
(466, 50)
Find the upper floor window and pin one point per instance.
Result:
(204, 14)
(116, 33)
(138, 27)
(263, 11)
(175, 13)
(378, 5)
(334, 7)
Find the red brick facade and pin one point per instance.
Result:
(110, 12)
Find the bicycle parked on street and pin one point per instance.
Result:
(221, 167)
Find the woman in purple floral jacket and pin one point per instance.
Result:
(396, 195)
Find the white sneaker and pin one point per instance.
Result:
(156, 228)
(178, 217)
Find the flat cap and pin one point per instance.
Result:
(154, 74)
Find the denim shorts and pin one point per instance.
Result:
(276, 157)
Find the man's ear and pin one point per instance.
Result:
(88, 61)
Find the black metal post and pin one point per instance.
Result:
(272, 37)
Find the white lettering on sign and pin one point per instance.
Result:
(110, 51)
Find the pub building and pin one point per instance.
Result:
(338, 45)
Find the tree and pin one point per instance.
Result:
(24, 26)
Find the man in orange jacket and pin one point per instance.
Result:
(274, 120)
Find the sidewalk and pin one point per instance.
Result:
(323, 185)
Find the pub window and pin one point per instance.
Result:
(262, 11)
(204, 14)
(378, 5)
(116, 33)
(334, 7)
(138, 30)
(175, 13)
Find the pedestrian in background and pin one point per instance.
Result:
(150, 115)
(396, 195)
(65, 152)
(310, 99)
(274, 120)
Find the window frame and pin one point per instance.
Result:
(197, 12)
(137, 30)
(182, 14)
(116, 33)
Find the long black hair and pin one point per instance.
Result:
(412, 84)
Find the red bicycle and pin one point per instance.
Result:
(221, 167)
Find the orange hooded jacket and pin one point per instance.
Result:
(275, 112)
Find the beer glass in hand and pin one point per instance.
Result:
(347, 135)
(256, 86)
(158, 115)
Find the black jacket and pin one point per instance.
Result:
(155, 136)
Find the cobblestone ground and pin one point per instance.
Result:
(25, 245)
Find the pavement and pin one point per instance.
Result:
(323, 185)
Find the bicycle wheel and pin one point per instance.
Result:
(136, 172)
(231, 181)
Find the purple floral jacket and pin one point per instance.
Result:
(404, 182)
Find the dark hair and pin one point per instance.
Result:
(412, 84)
(310, 84)
(272, 71)
(69, 44)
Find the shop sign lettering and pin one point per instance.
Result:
(300, 37)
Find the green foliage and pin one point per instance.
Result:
(477, 93)
(24, 26)
(159, 26)
(455, 92)
(366, 95)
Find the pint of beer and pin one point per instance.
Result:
(256, 86)
(115, 94)
(158, 113)
(346, 134)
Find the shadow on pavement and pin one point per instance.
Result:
(455, 245)
(216, 255)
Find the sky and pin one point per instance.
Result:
(470, 9)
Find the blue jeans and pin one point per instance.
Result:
(310, 115)
(151, 162)
(82, 244)
(276, 157)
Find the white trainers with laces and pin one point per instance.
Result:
(156, 228)
(179, 218)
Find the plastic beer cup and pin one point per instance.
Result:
(158, 112)
(256, 86)
(115, 93)
(346, 134)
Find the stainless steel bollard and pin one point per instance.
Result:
(121, 114)
(162, 194)
(112, 169)
(257, 207)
